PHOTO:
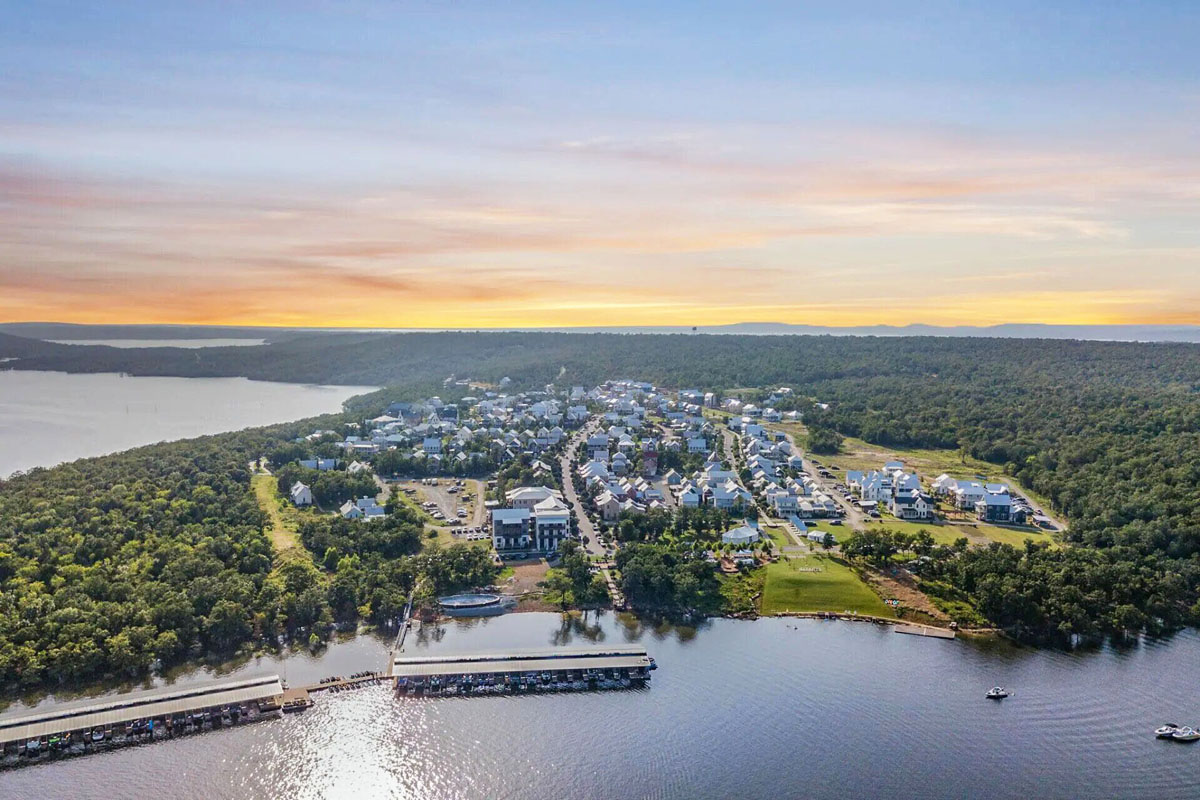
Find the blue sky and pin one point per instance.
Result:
(407, 163)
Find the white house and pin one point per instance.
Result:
(362, 508)
(689, 497)
(530, 496)
(431, 445)
(911, 504)
(608, 505)
(740, 536)
(301, 494)
(968, 493)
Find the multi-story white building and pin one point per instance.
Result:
(540, 528)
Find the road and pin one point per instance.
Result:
(567, 461)
(855, 518)
(385, 491)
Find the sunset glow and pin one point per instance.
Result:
(466, 165)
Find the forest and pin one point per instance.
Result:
(112, 565)
(1108, 432)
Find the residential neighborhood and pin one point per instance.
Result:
(524, 472)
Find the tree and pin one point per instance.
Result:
(227, 626)
(823, 440)
(558, 587)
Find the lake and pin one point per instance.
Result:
(47, 418)
(188, 344)
(767, 709)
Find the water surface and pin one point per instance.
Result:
(189, 344)
(47, 418)
(767, 709)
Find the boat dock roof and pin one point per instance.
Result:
(142, 705)
(552, 659)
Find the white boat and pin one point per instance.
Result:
(1166, 731)
(1185, 734)
(997, 693)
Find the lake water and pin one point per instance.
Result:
(47, 418)
(769, 709)
(189, 344)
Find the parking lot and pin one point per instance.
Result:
(458, 502)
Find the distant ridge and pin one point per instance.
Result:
(1112, 333)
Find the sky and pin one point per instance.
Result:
(444, 164)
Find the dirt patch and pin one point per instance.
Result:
(525, 577)
(898, 584)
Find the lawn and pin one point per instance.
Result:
(282, 518)
(779, 536)
(834, 588)
(946, 533)
(1014, 536)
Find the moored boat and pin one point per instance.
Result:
(1185, 734)
(1166, 731)
(997, 693)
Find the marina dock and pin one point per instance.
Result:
(143, 717)
(555, 669)
(137, 718)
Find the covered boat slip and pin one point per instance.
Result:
(558, 659)
(141, 706)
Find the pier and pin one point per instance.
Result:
(168, 713)
(136, 718)
(924, 630)
(556, 669)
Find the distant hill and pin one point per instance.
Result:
(1110, 333)
(534, 358)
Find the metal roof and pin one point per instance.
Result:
(119, 710)
(558, 658)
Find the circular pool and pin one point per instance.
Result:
(469, 600)
(476, 605)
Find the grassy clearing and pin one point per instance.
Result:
(834, 588)
(1014, 536)
(282, 518)
(947, 533)
(779, 536)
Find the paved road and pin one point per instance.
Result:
(854, 517)
(567, 462)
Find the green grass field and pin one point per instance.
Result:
(947, 533)
(282, 527)
(835, 588)
(779, 536)
(1015, 536)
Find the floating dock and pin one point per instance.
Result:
(556, 669)
(925, 630)
(135, 718)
